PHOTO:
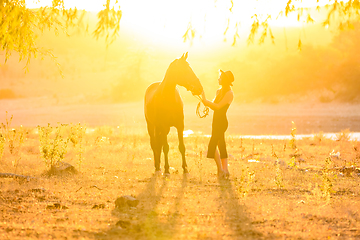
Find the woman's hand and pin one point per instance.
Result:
(203, 98)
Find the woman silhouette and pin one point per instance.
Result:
(224, 97)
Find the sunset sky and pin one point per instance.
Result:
(165, 22)
(151, 37)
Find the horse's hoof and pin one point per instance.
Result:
(157, 173)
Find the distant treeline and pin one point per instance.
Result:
(332, 73)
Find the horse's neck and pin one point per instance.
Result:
(167, 87)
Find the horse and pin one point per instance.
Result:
(164, 109)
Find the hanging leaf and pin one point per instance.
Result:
(190, 33)
(236, 35)
(272, 36)
(309, 19)
(254, 29)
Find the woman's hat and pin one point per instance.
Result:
(228, 76)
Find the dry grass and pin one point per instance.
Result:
(251, 205)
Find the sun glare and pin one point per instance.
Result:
(165, 23)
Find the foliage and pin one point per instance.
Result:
(14, 139)
(338, 13)
(2, 145)
(344, 135)
(21, 26)
(345, 13)
(318, 137)
(293, 136)
(52, 148)
(246, 180)
(77, 133)
(327, 179)
(53, 142)
(109, 21)
(279, 179)
(292, 162)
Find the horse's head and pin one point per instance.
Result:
(185, 76)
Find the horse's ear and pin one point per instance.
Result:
(184, 56)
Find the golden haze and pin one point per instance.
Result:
(268, 72)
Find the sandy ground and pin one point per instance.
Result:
(261, 200)
(244, 119)
(295, 199)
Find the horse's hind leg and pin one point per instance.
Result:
(155, 146)
(182, 149)
(166, 150)
(157, 155)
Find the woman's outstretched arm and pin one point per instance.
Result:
(227, 99)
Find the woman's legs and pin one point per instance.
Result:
(218, 163)
(223, 154)
(212, 148)
(217, 150)
(224, 164)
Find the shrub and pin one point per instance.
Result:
(52, 149)
(344, 135)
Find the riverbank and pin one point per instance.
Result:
(244, 119)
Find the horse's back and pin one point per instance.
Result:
(164, 108)
(149, 95)
(150, 91)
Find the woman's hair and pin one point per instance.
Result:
(228, 77)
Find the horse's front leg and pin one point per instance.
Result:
(182, 148)
(166, 153)
(165, 147)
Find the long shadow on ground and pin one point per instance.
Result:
(235, 214)
(148, 220)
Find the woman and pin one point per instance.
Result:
(220, 105)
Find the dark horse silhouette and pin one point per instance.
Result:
(164, 109)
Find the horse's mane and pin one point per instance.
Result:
(170, 68)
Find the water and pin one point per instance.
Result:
(354, 136)
(334, 136)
